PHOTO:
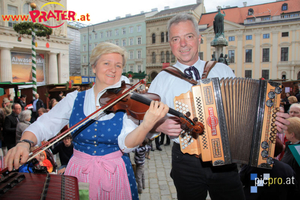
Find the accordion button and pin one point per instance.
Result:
(264, 153)
(278, 90)
(269, 103)
(264, 145)
(271, 95)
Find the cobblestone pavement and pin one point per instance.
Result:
(158, 183)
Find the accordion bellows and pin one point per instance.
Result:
(239, 120)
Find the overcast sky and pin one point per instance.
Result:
(104, 10)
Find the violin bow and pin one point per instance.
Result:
(81, 123)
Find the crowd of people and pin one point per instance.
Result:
(98, 153)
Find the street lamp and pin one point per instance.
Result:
(89, 51)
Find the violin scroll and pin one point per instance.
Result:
(195, 128)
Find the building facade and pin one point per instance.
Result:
(263, 40)
(128, 32)
(15, 55)
(158, 50)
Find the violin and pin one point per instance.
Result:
(136, 105)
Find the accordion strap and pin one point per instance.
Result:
(208, 66)
(176, 72)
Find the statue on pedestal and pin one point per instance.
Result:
(219, 24)
(226, 60)
(221, 59)
(213, 58)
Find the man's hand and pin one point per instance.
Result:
(171, 126)
(61, 171)
(281, 122)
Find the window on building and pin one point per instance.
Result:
(95, 35)
(284, 54)
(139, 28)
(162, 57)
(90, 47)
(162, 37)
(139, 40)
(117, 32)
(84, 47)
(130, 54)
(248, 37)
(12, 11)
(131, 68)
(84, 59)
(131, 29)
(139, 54)
(248, 55)
(167, 37)
(84, 37)
(85, 71)
(266, 36)
(123, 31)
(250, 11)
(139, 67)
(172, 57)
(131, 41)
(117, 42)
(248, 73)
(285, 34)
(231, 38)
(284, 7)
(153, 38)
(95, 44)
(153, 57)
(265, 74)
(101, 35)
(266, 55)
(26, 9)
(265, 18)
(90, 37)
(124, 43)
(231, 56)
(167, 56)
(201, 55)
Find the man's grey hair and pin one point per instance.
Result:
(296, 105)
(182, 18)
(24, 115)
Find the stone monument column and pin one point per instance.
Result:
(52, 71)
(6, 68)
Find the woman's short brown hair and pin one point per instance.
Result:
(105, 48)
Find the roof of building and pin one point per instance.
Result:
(176, 10)
(238, 15)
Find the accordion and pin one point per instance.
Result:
(38, 186)
(239, 120)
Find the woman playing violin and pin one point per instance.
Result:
(99, 149)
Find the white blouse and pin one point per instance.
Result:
(49, 124)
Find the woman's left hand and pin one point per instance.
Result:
(157, 110)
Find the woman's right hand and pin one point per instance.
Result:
(17, 156)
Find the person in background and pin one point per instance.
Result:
(2, 145)
(292, 99)
(37, 104)
(24, 122)
(41, 111)
(10, 126)
(294, 110)
(60, 96)
(65, 150)
(22, 101)
(292, 134)
(192, 177)
(44, 162)
(7, 106)
(162, 139)
(285, 102)
(53, 101)
(100, 155)
(139, 159)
